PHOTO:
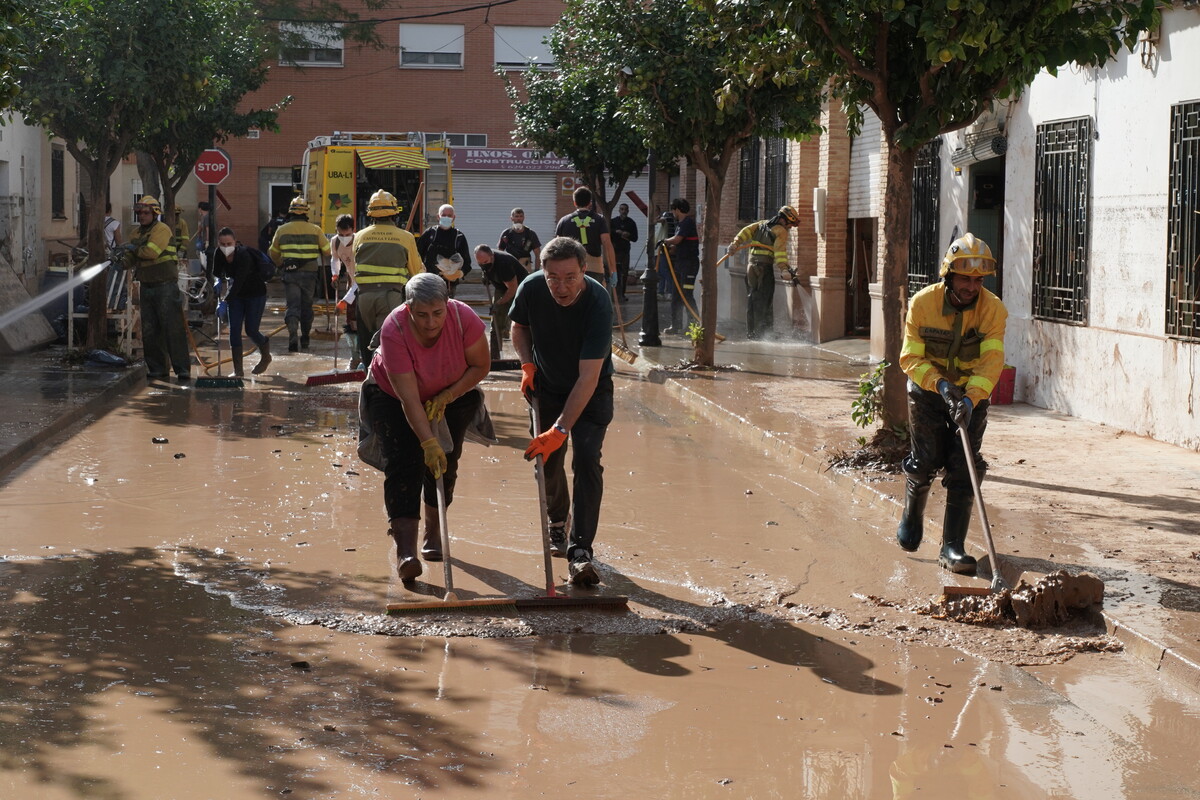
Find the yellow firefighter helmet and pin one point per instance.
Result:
(298, 206)
(383, 204)
(968, 256)
(150, 202)
(789, 215)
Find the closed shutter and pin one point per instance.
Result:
(865, 169)
(483, 200)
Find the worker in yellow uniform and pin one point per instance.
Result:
(953, 354)
(297, 249)
(385, 257)
(767, 242)
(183, 236)
(151, 254)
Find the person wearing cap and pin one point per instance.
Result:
(953, 354)
(384, 257)
(152, 257)
(767, 241)
(297, 248)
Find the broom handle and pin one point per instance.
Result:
(620, 322)
(539, 466)
(444, 529)
(337, 334)
(997, 581)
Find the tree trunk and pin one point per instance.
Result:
(97, 320)
(897, 225)
(148, 172)
(714, 184)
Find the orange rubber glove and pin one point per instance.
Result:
(435, 457)
(435, 408)
(545, 443)
(527, 373)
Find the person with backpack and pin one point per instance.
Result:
(444, 250)
(241, 271)
(591, 231)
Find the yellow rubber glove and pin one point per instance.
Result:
(545, 443)
(435, 408)
(435, 457)
(528, 371)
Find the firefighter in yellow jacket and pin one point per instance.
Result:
(151, 251)
(297, 248)
(767, 242)
(953, 354)
(385, 257)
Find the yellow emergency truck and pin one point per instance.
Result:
(341, 172)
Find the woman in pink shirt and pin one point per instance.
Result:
(432, 354)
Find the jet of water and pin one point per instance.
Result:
(34, 303)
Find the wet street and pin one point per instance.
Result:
(203, 618)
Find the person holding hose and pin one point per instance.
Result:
(685, 246)
(432, 354)
(152, 257)
(767, 241)
(953, 354)
(562, 332)
(245, 299)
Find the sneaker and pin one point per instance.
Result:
(583, 572)
(558, 539)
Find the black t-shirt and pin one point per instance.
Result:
(619, 224)
(503, 269)
(586, 228)
(519, 243)
(242, 271)
(562, 336)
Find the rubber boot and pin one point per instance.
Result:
(237, 362)
(912, 524)
(265, 359)
(954, 534)
(303, 340)
(404, 532)
(431, 545)
(293, 326)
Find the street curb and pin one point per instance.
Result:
(1153, 653)
(15, 455)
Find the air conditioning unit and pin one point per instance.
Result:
(980, 146)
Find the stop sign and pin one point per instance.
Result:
(212, 167)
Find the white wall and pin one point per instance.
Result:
(1120, 369)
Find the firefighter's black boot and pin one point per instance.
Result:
(293, 326)
(954, 534)
(912, 524)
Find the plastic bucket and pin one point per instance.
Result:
(1002, 395)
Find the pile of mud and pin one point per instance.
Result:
(1050, 602)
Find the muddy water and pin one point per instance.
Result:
(201, 618)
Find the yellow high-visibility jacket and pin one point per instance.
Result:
(385, 253)
(183, 236)
(934, 329)
(154, 259)
(768, 242)
(299, 240)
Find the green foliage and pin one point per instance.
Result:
(694, 333)
(866, 408)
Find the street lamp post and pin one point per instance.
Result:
(649, 336)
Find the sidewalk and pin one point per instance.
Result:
(1061, 492)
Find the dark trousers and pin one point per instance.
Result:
(686, 272)
(298, 288)
(760, 299)
(936, 445)
(587, 439)
(248, 312)
(164, 340)
(406, 476)
(622, 273)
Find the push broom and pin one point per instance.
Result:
(349, 376)
(219, 382)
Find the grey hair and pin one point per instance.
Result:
(426, 288)
(564, 247)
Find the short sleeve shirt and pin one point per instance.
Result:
(689, 249)
(563, 336)
(436, 367)
(584, 227)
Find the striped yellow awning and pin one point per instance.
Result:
(392, 158)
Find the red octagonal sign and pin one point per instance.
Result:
(212, 167)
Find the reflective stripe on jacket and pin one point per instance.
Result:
(299, 240)
(766, 241)
(964, 346)
(155, 254)
(385, 253)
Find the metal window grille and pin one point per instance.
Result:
(923, 253)
(775, 172)
(748, 181)
(1183, 224)
(1061, 220)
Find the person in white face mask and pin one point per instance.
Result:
(341, 262)
(521, 242)
(245, 298)
(444, 249)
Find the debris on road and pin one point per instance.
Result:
(1051, 601)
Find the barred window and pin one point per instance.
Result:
(775, 173)
(748, 181)
(924, 257)
(1183, 224)
(1061, 220)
